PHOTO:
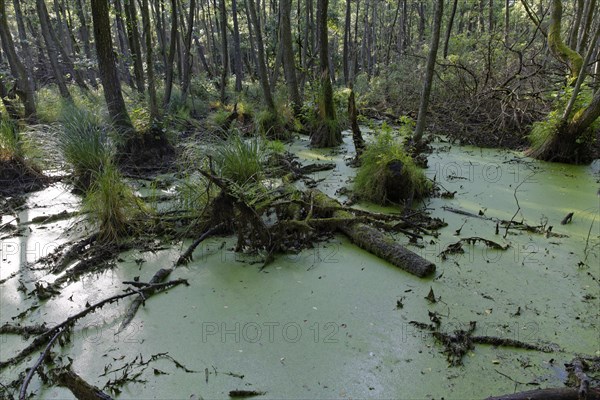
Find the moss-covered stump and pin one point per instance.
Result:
(326, 134)
(374, 241)
(147, 149)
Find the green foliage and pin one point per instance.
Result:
(84, 144)
(371, 179)
(11, 146)
(275, 147)
(543, 131)
(111, 205)
(240, 160)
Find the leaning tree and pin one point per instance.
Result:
(564, 136)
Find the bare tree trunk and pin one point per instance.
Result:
(153, 102)
(24, 83)
(125, 58)
(574, 33)
(262, 67)
(449, 28)
(107, 66)
(170, 71)
(328, 133)
(133, 34)
(23, 40)
(187, 52)
(224, 52)
(590, 11)
(51, 49)
(237, 51)
(289, 65)
(435, 40)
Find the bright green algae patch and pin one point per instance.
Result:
(334, 321)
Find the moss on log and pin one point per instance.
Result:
(374, 241)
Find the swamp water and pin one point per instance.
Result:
(334, 321)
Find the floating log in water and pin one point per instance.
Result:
(374, 241)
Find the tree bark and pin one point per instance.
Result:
(449, 28)
(289, 65)
(425, 94)
(24, 83)
(170, 71)
(590, 11)
(153, 102)
(23, 40)
(328, 132)
(107, 67)
(549, 394)
(237, 51)
(224, 52)
(262, 67)
(557, 46)
(133, 35)
(375, 242)
(51, 49)
(187, 52)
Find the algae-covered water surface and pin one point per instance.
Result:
(335, 321)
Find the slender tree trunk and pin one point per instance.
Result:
(346, 51)
(170, 71)
(289, 65)
(123, 44)
(574, 33)
(507, 6)
(133, 34)
(237, 51)
(428, 83)
(84, 35)
(51, 49)
(591, 10)
(449, 28)
(107, 67)
(153, 102)
(23, 40)
(224, 52)
(262, 67)
(187, 51)
(328, 133)
(24, 83)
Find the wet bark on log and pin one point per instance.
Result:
(549, 394)
(79, 387)
(375, 242)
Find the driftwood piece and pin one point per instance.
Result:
(79, 387)
(375, 242)
(24, 330)
(187, 255)
(549, 394)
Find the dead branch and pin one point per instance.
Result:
(23, 391)
(43, 338)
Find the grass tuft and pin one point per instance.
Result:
(371, 182)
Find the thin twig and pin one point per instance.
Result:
(518, 205)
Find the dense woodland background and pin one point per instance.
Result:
(498, 66)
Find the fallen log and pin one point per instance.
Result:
(375, 242)
(79, 387)
(549, 394)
